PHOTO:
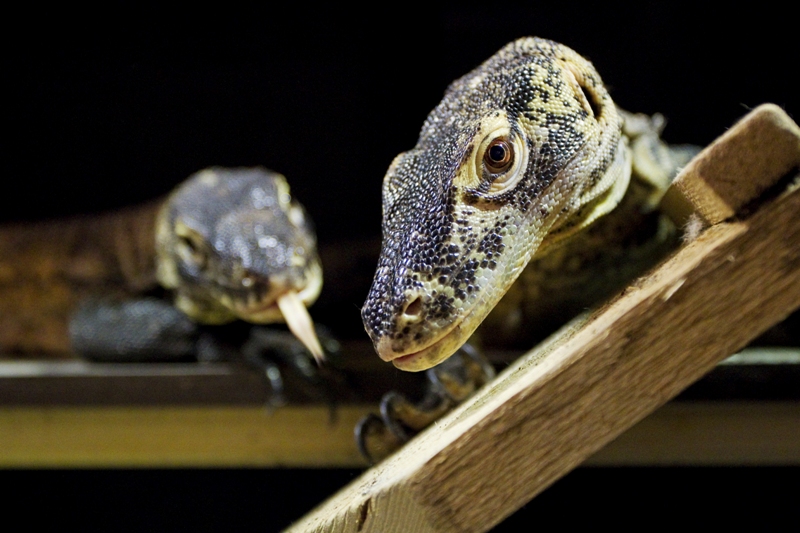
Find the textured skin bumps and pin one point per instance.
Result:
(522, 152)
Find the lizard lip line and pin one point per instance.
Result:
(401, 360)
(408, 357)
(404, 360)
(266, 304)
(257, 307)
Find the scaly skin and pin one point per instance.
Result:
(566, 205)
(522, 152)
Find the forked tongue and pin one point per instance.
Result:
(300, 323)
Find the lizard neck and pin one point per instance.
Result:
(113, 248)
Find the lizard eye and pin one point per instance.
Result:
(189, 246)
(191, 252)
(499, 155)
(503, 161)
(499, 161)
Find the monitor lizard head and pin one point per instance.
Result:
(234, 244)
(522, 152)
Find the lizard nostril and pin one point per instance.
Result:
(414, 308)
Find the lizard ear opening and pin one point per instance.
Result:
(584, 94)
(590, 100)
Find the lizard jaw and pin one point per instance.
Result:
(267, 310)
(431, 355)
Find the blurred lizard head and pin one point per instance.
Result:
(233, 243)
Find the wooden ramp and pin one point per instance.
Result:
(566, 399)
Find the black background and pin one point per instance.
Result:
(266, 501)
(119, 104)
(110, 108)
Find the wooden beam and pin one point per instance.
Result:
(736, 168)
(680, 433)
(228, 436)
(355, 376)
(709, 434)
(566, 399)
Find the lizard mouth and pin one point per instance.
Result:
(264, 308)
(436, 351)
(289, 306)
(425, 358)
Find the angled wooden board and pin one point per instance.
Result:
(566, 399)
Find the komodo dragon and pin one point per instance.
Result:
(512, 179)
(227, 243)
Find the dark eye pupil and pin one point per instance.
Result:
(497, 153)
(498, 156)
(189, 243)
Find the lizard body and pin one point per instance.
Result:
(229, 243)
(521, 156)
(48, 267)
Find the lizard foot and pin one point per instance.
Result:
(270, 350)
(151, 330)
(448, 384)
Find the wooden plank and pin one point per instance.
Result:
(69, 437)
(563, 401)
(736, 168)
(679, 433)
(355, 376)
(120, 409)
(364, 379)
(709, 433)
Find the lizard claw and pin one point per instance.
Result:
(273, 351)
(374, 440)
(460, 378)
(448, 384)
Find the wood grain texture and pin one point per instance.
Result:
(736, 168)
(563, 401)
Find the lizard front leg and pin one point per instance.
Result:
(151, 330)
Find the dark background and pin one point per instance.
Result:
(118, 105)
(105, 109)
(109, 108)
(266, 501)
